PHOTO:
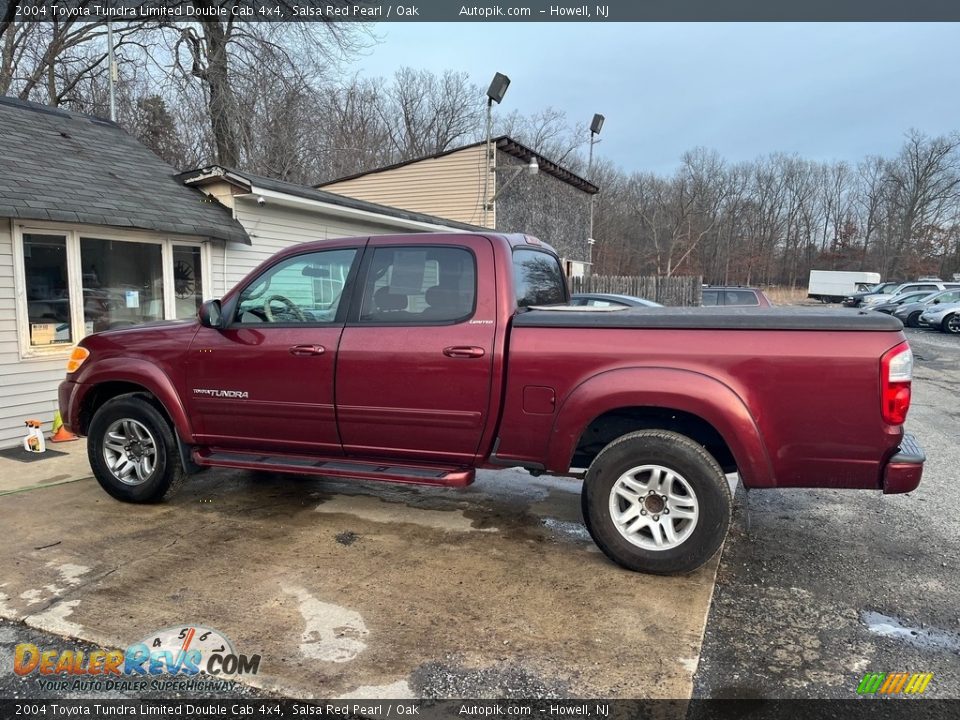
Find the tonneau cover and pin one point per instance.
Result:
(713, 319)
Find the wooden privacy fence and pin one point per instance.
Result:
(681, 290)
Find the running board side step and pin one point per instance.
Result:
(386, 471)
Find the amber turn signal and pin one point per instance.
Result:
(77, 357)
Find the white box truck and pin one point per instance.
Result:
(834, 286)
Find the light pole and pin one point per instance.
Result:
(595, 127)
(111, 72)
(496, 91)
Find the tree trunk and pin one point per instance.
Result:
(222, 102)
(6, 59)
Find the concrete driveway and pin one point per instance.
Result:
(353, 588)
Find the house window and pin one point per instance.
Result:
(122, 283)
(187, 280)
(74, 282)
(47, 289)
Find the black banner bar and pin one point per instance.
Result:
(485, 11)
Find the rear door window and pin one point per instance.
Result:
(710, 297)
(420, 286)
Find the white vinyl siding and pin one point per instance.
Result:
(28, 388)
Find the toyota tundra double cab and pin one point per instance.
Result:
(421, 358)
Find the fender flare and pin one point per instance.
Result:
(670, 388)
(149, 376)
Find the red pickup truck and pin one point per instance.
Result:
(419, 358)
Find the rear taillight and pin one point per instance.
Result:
(896, 374)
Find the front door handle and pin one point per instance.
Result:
(463, 351)
(307, 350)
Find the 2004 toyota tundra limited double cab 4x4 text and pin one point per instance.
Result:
(420, 358)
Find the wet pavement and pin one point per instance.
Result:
(350, 589)
(828, 585)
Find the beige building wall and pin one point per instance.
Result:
(449, 187)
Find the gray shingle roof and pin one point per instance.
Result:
(69, 167)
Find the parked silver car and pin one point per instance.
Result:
(943, 317)
(909, 312)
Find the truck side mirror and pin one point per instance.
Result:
(936, 302)
(211, 314)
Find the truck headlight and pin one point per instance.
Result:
(77, 358)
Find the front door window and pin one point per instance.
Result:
(302, 290)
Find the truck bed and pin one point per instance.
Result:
(709, 319)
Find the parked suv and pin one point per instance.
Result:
(734, 297)
(908, 287)
(857, 299)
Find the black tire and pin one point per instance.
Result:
(681, 455)
(951, 324)
(913, 319)
(167, 474)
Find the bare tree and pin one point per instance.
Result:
(215, 52)
(925, 186)
(425, 114)
(549, 133)
(48, 61)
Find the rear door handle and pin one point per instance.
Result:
(464, 351)
(307, 350)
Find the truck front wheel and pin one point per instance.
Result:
(655, 501)
(132, 451)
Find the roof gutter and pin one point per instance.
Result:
(293, 201)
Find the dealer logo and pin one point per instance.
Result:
(211, 651)
(176, 651)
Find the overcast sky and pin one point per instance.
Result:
(825, 91)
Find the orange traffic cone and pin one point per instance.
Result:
(60, 433)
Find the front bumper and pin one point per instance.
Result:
(904, 470)
(68, 399)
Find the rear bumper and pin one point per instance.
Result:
(904, 470)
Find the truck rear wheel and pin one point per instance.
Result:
(655, 501)
(133, 452)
